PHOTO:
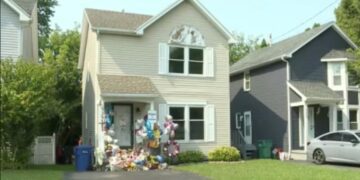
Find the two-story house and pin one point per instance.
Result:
(294, 90)
(19, 29)
(176, 63)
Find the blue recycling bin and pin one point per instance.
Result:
(83, 157)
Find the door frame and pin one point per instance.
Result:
(311, 121)
(131, 122)
(248, 139)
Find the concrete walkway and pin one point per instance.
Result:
(148, 175)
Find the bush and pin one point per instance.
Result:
(224, 154)
(190, 157)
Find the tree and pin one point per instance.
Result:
(45, 12)
(347, 17)
(315, 25)
(62, 55)
(27, 98)
(244, 46)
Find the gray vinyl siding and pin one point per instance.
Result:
(306, 63)
(267, 101)
(10, 33)
(294, 97)
(353, 97)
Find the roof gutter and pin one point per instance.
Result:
(116, 31)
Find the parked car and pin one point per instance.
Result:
(338, 146)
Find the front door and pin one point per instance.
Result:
(311, 128)
(248, 127)
(122, 125)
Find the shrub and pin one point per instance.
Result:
(224, 154)
(190, 157)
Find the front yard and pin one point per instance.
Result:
(269, 169)
(254, 169)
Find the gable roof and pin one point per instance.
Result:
(337, 54)
(104, 19)
(26, 5)
(283, 49)
(23, 7)
(315, 90)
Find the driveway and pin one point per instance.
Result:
(148, 175)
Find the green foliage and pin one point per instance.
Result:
(62, 55)
(315, 25)
(191, 157)
(224, 154)
(347, 17)
(244, 46)
(45, 12)
(27, 98)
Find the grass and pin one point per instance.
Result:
(269, 169)
(52, 172)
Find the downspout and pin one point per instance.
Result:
(284, 59)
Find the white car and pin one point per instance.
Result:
(338, 146)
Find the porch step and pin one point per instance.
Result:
(298, 155)
(248, 151)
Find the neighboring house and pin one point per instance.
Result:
(19, 31)
(176, 62)
(294, 91)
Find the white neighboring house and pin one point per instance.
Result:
(176, 62)
(19, 30)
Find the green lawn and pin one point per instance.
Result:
(37, 173)
(269, 169)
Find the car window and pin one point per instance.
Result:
(358, 134)
(347, 137)
(331, 137)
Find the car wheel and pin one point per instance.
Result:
(319, 156)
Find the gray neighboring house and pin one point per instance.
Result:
(293, 91)
(19, 29)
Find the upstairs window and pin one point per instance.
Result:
(247, 84)
(336, 69)
(185, 60)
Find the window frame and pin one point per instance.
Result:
(332, 74)
(356, 119)
(187, 121)
(247, 79)
(177, 60)
(187, 61)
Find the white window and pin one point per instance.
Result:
(238, 120)
(247, 84)
(196, 121)
(353, 119)
(185, 60)
(336, 75)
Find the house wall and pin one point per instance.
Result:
(305, 63)
(294, 97)
(128, 55)
(89, 94)
(266, 100)
(10, 33)
(30, 37)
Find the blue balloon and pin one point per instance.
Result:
(108, 121)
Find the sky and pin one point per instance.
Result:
(252, 18)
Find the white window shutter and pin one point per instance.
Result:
(162, 113)
(163, 58)
(210, 123)
(209, 68)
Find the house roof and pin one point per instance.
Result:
(126, 85)
(26, 5)
(336, 54)
(115, 20)
(282, 49)
(314, 90)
